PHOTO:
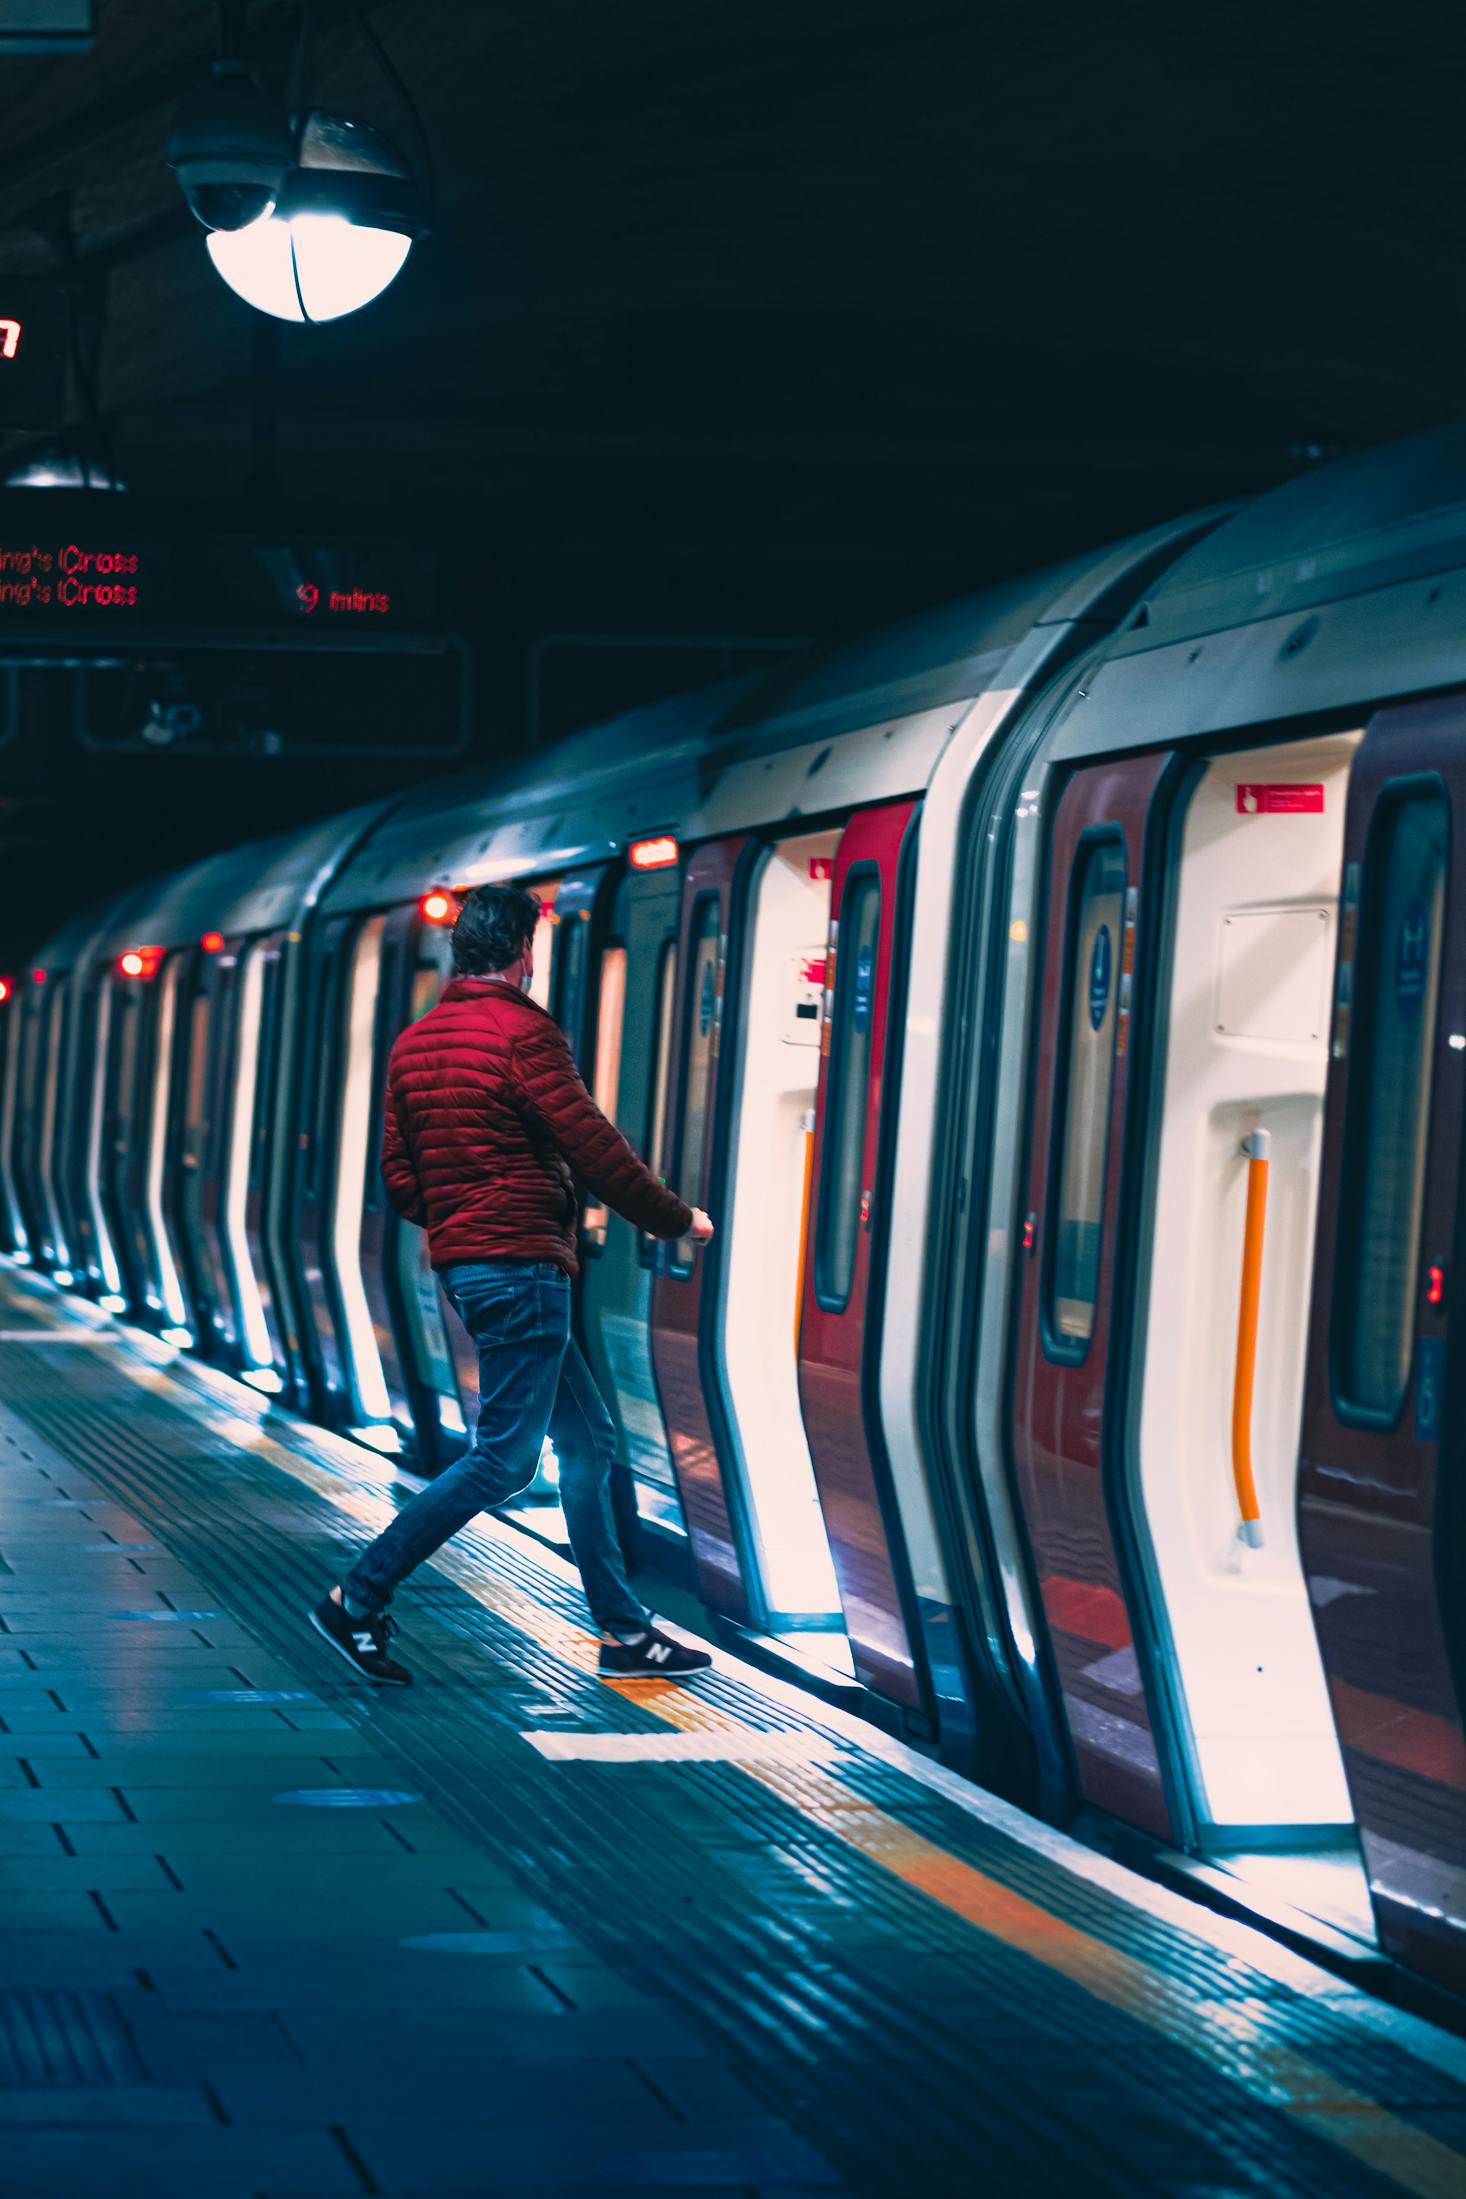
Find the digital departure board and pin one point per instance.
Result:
(86, 570)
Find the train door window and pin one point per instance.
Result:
(320, 1110)
(251, 979)
(416, 1280)
(353, 1131)
(572, 950)
(842, 1191)
(1388, 1120)
(606, 1074)
(546, 943)
(19, 1237)
(1089, 1025)
(261, 1155)
(166, 1281)
(610, 1021)
(120, 1128)
(106, 1268)
(656, 1137)
(47, 1095)
(700, 1058)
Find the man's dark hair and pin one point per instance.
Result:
(493, 924)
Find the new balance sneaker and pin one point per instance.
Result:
(653, 1656)
(362, 1642)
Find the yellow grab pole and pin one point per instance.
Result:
(1256, 1146)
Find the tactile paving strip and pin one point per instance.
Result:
(923, 2048)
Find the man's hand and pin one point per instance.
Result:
(701, 1231)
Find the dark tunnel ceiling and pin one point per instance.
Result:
(778, 318)
(781, 263)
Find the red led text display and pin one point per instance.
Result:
(110, 576)
(32, 350)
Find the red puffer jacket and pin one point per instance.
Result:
(484, 1110)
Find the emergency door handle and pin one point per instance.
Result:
(1256, 1146)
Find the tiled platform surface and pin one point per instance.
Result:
(263, 1931)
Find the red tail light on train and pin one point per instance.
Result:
(438, 907)
(212, 942)
(7, 987)
(140, 961)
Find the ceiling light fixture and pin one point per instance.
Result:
(339, 233)
(308, 218)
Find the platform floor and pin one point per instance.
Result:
(264, 1931)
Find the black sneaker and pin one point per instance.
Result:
(652, 1656)
(362, 1642)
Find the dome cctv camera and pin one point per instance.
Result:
(230, 149)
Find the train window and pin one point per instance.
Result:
(569, 975)
(545, 942)
(319, 1111)
(656, 1135)
(354, 1160)
(655, 1142)
(1090, 1019)
(1387, 1123)
(610, 1018)
(842, 1166)
(268, 949)
(164, 1255)
(606, 1075)
(195, 1118)
(700, 1053)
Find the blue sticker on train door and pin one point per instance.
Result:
(705, 1002)
(1411, 958)
(1430, 1374)
(1101, 969)
(864, 988)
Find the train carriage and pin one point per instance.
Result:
(1058, 1004)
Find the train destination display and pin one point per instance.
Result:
(106, 577)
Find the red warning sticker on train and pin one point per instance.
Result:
(1287, 800)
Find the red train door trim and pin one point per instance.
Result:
(1066, 1308)
(836, 1290)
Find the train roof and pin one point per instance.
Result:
(863, 722)
(259, 887)
(1331, 594)
(1356, 524)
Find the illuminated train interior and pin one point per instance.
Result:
(1058, 1005)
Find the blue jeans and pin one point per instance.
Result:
(533, 1382)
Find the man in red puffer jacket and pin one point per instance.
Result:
(486, 1118)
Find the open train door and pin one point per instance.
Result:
(1067, 1307)
(838, 1324)
(685, 1375)
(1382, 1485)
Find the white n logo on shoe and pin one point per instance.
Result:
(658, 1653)
(364, 1644)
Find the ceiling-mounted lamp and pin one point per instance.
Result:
(311, 216)
(348, 212)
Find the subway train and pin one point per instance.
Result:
(1060, 1003)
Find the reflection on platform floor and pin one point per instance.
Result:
(518, 1930)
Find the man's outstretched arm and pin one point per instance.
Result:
(550, 1091)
